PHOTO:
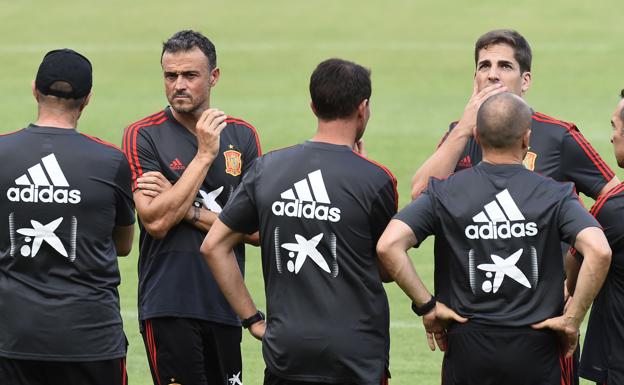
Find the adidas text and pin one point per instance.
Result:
(47, 194)
(503, 230)
(310, 210)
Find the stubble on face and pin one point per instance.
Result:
(187, 81)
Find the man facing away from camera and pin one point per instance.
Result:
(69, 212)
(504, 273)
(320, 208)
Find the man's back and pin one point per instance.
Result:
(498, 230)
(320, 208)
(64, 194)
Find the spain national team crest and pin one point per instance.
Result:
(233, 162)
(529, 160)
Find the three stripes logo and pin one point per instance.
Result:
(176, 164)
(43, 183)
(496, 219)
(308, 199)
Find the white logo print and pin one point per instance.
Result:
(503, 267)
(502, 210)
(235, 379)
(45, 183)
(309, 200)
(40, 233)
(304, 249)
(210, 200)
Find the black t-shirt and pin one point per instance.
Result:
(320, 209)
(557, 150)
(603, 350)
(498, 230)
(174, 279)
(64, 192)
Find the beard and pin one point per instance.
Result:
(185, 106)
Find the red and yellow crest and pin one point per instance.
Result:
(233, 162)
(529, 160)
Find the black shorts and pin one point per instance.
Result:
(488, 355)
(192, 352)
(272, 379)
(30, 372)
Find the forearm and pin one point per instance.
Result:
(442, 162)
(200, 217)
(590, 279)
(398, 266)
(169, 208)
(226, 272)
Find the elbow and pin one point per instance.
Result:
(418, 186)
(157, 229)
(124, 250)
(604, 256)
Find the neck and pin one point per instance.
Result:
(189, 119)
(339, 131)
(59, 118)
(503, 157)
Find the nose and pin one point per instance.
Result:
(180, 83)
(493, 74)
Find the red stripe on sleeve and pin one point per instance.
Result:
(231, 119)
(392, 177)
(130, 140)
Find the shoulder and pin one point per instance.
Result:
(608, 201)
(152, 120)
(545, 120)
(244, 128)
(376, 168)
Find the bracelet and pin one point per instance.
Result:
(425, 308)
(247, 322)
(196, 214)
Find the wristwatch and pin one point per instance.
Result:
(247, 322)
(425, 308)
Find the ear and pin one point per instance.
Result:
(525, 139)
(526, 82)
(364, 108)
(313, 109)
(214, 76)
(86, 101)
(34, 91)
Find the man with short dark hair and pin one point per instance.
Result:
(320, 207)
(603, 351)
(186, 161)
(69, 212)
(502, 226)
(557, 149)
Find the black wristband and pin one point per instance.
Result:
(247, 322)
(196, 214)
(426, 308)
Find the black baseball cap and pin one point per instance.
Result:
(65, 65)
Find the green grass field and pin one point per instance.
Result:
(420, 53)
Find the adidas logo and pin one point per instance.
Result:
(497, 216)
(45, 183)
(177, 165)
(308, 200)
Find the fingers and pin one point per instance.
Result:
(541, 325)
(440, 338)
(212, 120)
(430, 341)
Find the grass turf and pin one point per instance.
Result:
(420, 54)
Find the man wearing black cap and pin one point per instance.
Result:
(69, 213)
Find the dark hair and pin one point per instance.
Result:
(522, 50)
(187, 40)
(338, 87)
(622, 110)
(502, 120)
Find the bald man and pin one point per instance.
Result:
(498, 229)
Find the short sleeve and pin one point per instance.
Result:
(140, 153)
(582, 165)
(384, 207)
(240, 213)
(420, 216)
(573, 218)
(123, 195)
(252, 147)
